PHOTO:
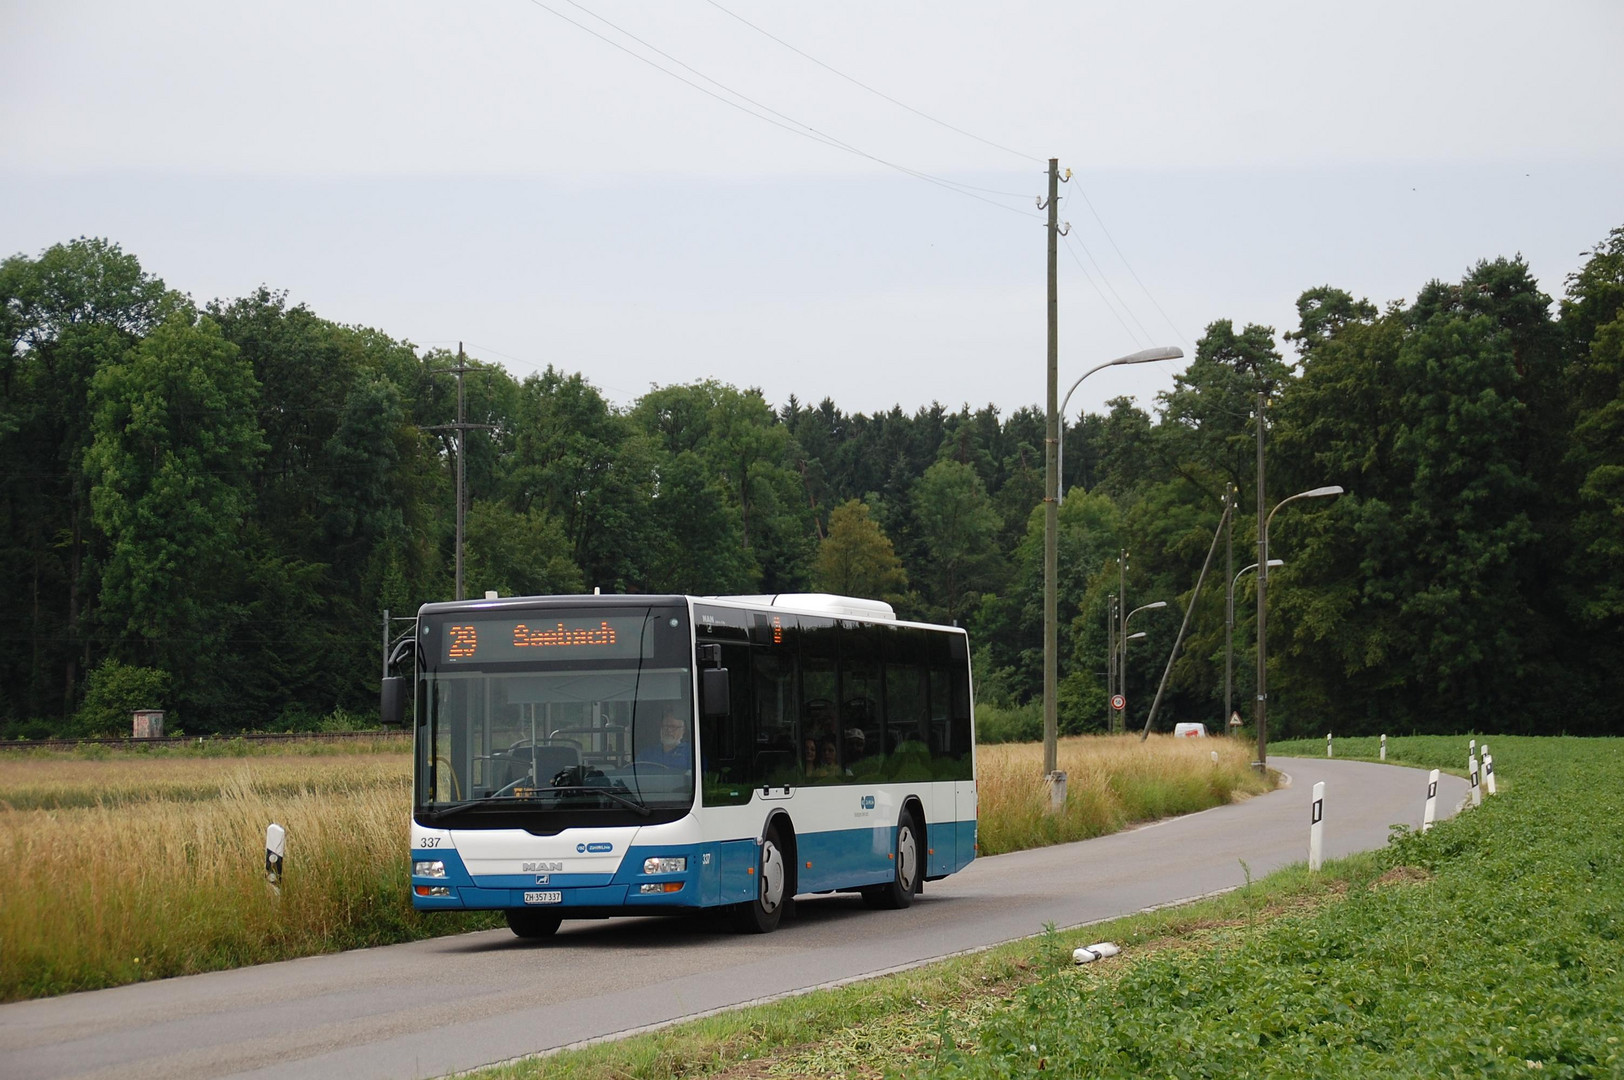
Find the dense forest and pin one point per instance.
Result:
(208, 509)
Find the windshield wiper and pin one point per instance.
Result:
(446, 811)
(488, 800)
(624, 800)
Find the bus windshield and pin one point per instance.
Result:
(536, 712)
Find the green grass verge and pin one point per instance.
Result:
(1490, 946)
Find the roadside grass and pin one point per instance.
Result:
(1111, 782)
(1507, 962)
(142, 864)
(877, 1027)
(1491, 946)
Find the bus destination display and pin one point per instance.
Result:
(543, 636)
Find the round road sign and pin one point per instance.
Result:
(1118, 702)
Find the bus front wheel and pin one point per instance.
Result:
(528, 923)
(762, 915)
(904, 884)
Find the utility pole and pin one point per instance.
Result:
(1261, 710)
(461, 427)
(1110, 663)
(1051, 494)
(1229, 605)
(1121, 723)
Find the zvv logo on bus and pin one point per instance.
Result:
(594, 848)
(868, 802)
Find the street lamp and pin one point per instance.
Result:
(1145, 356)
(1229, 638)
(1262, 587)
(1053, 427)
(1122, 680)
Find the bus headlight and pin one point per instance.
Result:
(434, 868)
(666, 865)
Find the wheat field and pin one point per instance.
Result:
(128, 866)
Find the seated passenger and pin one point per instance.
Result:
(828, 759)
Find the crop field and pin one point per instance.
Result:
(1491, 946)
(124, 866)
(138, 865)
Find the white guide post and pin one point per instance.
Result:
(1471, 765)
(1488, 769)
(1097, 951)
(1327, 744)
(1316, 829)
(1384, 747)
(1431, 813)
(276, 849)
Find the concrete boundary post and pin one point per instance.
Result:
(1384, 747)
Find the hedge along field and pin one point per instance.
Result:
(1491, 946)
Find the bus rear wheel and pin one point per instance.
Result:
(904, 884)
(530, 924)
(762, 915)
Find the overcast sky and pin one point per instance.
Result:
(519, 175)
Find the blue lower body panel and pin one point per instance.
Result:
(717, 873)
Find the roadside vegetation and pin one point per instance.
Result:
(1490, 946)
(303, 473)
(141, 864)
(1111, 782)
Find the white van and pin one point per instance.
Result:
(1190, 731)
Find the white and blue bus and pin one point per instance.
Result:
(558, 773)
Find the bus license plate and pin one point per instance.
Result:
(550, 897)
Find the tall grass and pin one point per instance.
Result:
(106, 894)
(128, 866)
(1111, 781)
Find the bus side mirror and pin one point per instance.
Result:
(715, 696)
(392, 701)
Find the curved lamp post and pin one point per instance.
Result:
(1262, 629)
(1054, 430)
(1229, 639)
(1145, 356)
(1122, 678)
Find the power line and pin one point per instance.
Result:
(787, 123)
(870, 89)
(1103, 299)
(1108, 285)
(988, 142)
(1084, 196)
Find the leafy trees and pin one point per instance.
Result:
(174, 442)
(856, 558)
(957, 527)
(257, 485)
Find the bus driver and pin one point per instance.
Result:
(672, 752)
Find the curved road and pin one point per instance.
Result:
(434, 1007)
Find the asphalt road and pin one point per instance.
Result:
(434, 1007)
